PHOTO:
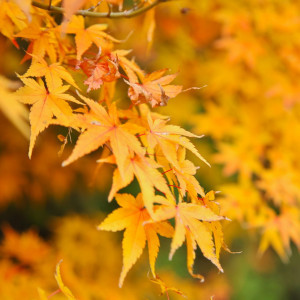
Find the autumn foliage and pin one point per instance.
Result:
(94, 117)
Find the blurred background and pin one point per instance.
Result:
(247, 55)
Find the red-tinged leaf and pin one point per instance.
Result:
(154, 89)
(105, 70)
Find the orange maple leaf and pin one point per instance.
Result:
(103, 127)
(105, 69)
(131, 69)
(85, 37)
(132, 216)
(154, 89)
(46, 104)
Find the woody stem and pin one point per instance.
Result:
(112, 15)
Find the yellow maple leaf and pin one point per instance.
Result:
(149, 178)
(185, 175)
(168, 137)
(190, 220)
(65, 290)
(132, 216)
(45, 104)
(54, 73)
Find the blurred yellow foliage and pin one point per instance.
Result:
(83, 270)
(246, 55)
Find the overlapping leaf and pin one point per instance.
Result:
(149, 178)
(155, 89)
(168, 137)
(85, 37)
(190, 225)
(54, 73)
(132, 216)
(45, 104)
(103, 127)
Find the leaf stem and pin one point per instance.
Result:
(111, 15)
(54, 293)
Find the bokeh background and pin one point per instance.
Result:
(246, 56)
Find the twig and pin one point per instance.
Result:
(112, 15)
(95, 6)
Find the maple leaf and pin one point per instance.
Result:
(132, 70)
(15, 111)
(101, 128)
(215, 227)
(149, 178)
(190, 219)
(46, 103)
(271, 237)
(43, 40)
(279, 231)
(86, 36)
(131, 216)
(106, 69)
(65, 290)
(154, 89)
(168, 137)
(185, 175)
(53, 73)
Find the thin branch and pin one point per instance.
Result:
(112, 15)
